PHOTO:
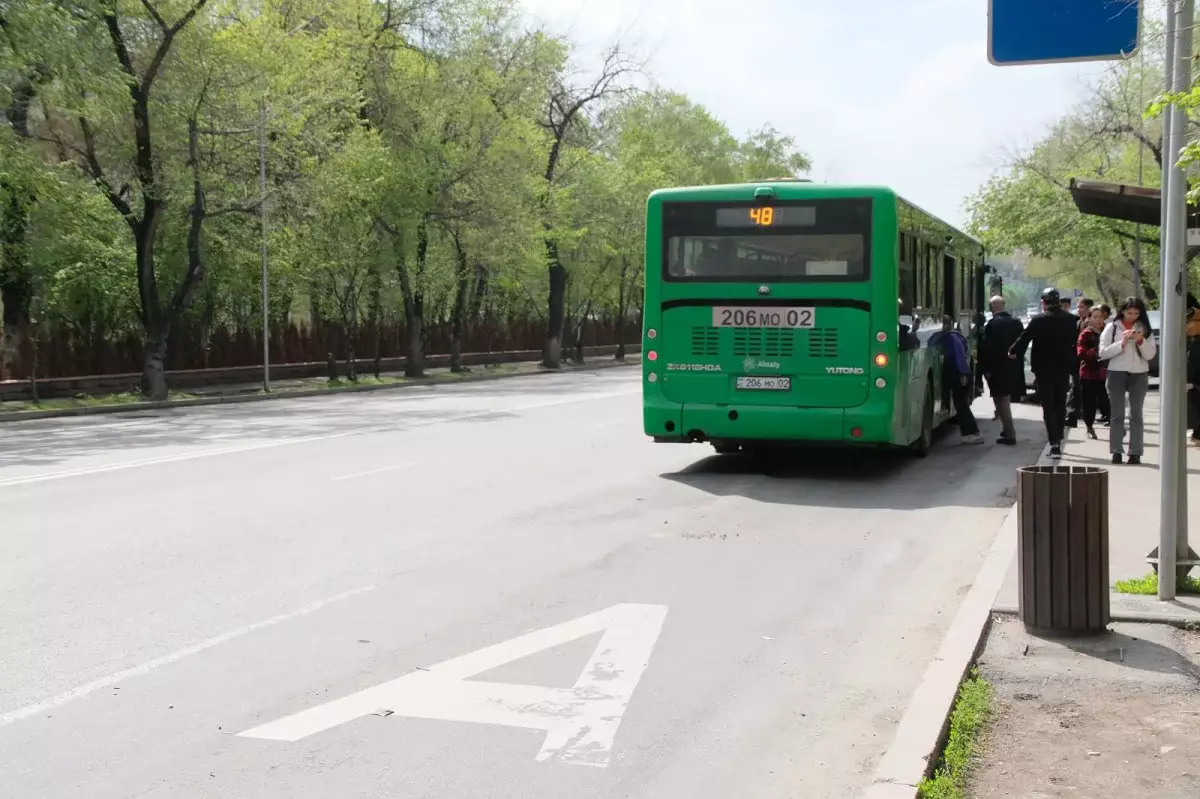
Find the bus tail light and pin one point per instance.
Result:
(652, 377)
(879, 382)
(881, 359)
(880, 336)
(652, 356)
(651, 333)
(856, 432)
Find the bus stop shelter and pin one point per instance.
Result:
(1127, 203)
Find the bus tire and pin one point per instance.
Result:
(924, 442)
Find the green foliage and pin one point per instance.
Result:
(1027, 207)
(1148, 585)
(405, 145)
(972, 709)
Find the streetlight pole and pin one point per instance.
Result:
(262, 214)
(1172, 470)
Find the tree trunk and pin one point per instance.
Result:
(376, 303)
(458, 316)
(154, 376)
(414, 306)
(16, 286)
(351, 367)
(556, 316)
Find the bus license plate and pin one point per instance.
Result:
(795, 316)
(765, 383)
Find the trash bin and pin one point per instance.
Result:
(1062, 552)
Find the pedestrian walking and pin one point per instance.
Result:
(1053, 335)
(1083, 312)
(956, 373)
(1127, 344)
(1092, 372)
(1193, 369)
(1005, 377)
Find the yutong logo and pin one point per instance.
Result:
(693, 367)
(845, 370)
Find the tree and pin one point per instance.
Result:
(1028, 206)
(566, 105)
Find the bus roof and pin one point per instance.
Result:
(794, 187)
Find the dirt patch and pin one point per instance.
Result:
(1116, 717)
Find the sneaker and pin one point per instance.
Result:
(1117, 457)
(1134, 460)
(973, 439)
(1056, 453)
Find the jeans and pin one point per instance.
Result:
(962, 404)
(1135, 384)
(1052, 392)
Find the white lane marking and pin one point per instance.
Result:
(283, 442)
(580, 722)
(370, 472)
(906, 760)
(166, 660)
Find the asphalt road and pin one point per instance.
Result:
(498, 589)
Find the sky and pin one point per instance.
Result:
(893, 92)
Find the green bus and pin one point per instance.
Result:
(773, 315)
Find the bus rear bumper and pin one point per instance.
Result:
(675, 423)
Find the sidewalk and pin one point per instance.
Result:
(1107, 717)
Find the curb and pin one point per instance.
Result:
(235, 399)
(1180, 620)
(922, 730)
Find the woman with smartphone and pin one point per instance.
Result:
(1127, 344)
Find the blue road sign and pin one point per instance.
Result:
(1056, 31)
(1078, 294)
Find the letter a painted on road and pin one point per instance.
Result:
(580, 722)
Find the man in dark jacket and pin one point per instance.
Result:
(1005, 377)
(1052, 334)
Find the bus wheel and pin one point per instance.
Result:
(924, 443)
(725, 448)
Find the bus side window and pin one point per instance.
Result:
(908, 271)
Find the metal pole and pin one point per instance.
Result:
(1172, 361)
(1183, 79)
(262, 215)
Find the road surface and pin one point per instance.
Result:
(498, 589)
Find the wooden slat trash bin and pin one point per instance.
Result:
(1062, 550)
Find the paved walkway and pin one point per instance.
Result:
(1113, 716)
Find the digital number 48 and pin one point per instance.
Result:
(762, 216)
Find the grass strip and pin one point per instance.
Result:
(1147, 585)
(972, 709)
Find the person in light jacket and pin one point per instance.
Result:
(1127, 344)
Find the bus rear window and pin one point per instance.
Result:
(814, 241)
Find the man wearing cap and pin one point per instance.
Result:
(1052, 334)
